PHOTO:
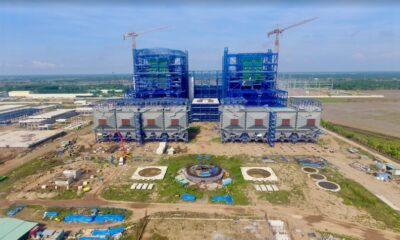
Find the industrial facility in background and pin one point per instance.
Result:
(244, 98)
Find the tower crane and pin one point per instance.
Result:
(279, 31)
(134, 35)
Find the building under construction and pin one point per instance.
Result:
(156, 109)
(243, 98)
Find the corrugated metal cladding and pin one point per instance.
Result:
(244, 124)
(149, 123)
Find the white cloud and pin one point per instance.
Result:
(43, 65)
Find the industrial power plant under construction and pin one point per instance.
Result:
(166, 97)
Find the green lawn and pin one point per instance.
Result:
(169, 188)
(169, 191)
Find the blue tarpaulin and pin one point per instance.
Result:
(94, 238)
(109, 218)
(50, 214)
(98, 218)
(108, 231)
(309, 163)
(78, 218)
(227, 199)
(188, 197)
(226, 181)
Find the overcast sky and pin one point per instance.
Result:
(58, 39)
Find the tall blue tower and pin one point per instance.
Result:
(252, 78)
(160, 73)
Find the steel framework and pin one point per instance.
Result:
(252, 76)
(160, 72)
(207, 84)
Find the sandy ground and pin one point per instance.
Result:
(377, 115)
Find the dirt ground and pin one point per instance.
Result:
(328, 210)
(377, 115)
(206, 228)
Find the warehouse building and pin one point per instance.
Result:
(15, 229)
(45, 119)
(11, 113)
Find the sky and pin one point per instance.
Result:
(73, 39)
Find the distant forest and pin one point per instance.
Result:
(94, 83)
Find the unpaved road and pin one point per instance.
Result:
(297, 218)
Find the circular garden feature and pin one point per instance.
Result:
(149, 172)
(330, 186)
(258, 173)
(310, 170)
(317, 177)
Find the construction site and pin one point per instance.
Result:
(219, 155)
(166, 98)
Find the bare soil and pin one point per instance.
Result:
(149, 172)
(310, 170)
(258, 173)
(376, 115)
(317, 176)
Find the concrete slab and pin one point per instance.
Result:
(26, 139)
(258, 174)
(150, 173)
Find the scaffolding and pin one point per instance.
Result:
(206, 84)
(159, 73)
(252, 76)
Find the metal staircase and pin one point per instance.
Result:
(139, 127)
(272, 129)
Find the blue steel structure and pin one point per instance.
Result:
(159, 73)
(7, 117)
(205, 111)
(207, 84)
(252, 76)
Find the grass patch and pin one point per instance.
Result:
(68, 194)
(326, 234)
(124, 193)
(169, 188)
(354, 194)
(216, 139)
(169, 191)
(36, 166)
(193, 132)
(384, 144)
(283, 197)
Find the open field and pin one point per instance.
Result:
(376, 115)
(384, 144)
